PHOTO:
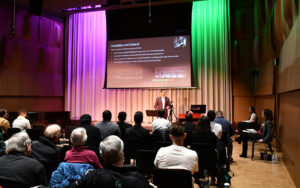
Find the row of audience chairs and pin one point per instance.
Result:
(207, 161)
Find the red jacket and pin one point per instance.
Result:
(158, 103)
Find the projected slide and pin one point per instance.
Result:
(149, 62)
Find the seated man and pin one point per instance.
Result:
(107, 127)
(93, 133)
(160, 122)
(227, 130)
(113, 174)
(177, 156)
(44, 149)
(188, 124)
(16, 167)
(136, 138)
(215, 127)
(21, 122)
(122, 124)
(189, 127)
(4, 124)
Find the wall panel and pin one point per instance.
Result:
(288, 131)
(31, 62)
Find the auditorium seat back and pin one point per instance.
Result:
(174, 178)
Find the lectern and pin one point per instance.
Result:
(152, 113)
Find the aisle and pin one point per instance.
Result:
(257, 173)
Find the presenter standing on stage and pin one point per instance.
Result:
(162, 102)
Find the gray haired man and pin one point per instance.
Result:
(18, 169)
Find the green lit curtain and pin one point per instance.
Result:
(211, 53)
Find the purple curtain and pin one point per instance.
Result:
(86, 57)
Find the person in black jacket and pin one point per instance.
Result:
(122, 124)
(264, 135)
(93, 133)
(45, 151)
(188, 124)
(136, 137)
(113, 174)
(18, 170)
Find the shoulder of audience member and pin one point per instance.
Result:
(269, 123)
(31, 162)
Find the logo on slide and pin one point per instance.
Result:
(180, 42)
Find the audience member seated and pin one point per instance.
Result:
(160, 128)
(177, 156)
(227, 130)
(136, 137)
(189, 127)
(188, 124)
(263, 135)
(16, 167)
(203, 133)
(215, 127)
(113, 174)
(160, 122)
(80, 153)
(93, 133)
(251, 123)
(2, 145)
(122, 124)
(21, 122)
(4, 124)
(45, 151)
(107, 127)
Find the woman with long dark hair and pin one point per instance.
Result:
(203, 133)
(263, 135)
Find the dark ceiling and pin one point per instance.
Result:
(57, 7)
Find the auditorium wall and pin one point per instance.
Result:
(289, 102)
(31, 62)
(242, 58)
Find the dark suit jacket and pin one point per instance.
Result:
(46, 153)
(18, 168)
(123, 126)
(138, 134)
(93, 137)
(158, 103)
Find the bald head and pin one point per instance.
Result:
(53, 132)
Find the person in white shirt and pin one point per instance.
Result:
(21, 122)
(177, 156)
(253, 116)
(161, 122)
(251, 123)
(215, 127)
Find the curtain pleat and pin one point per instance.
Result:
(86, 59)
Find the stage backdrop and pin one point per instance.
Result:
(86, 58)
